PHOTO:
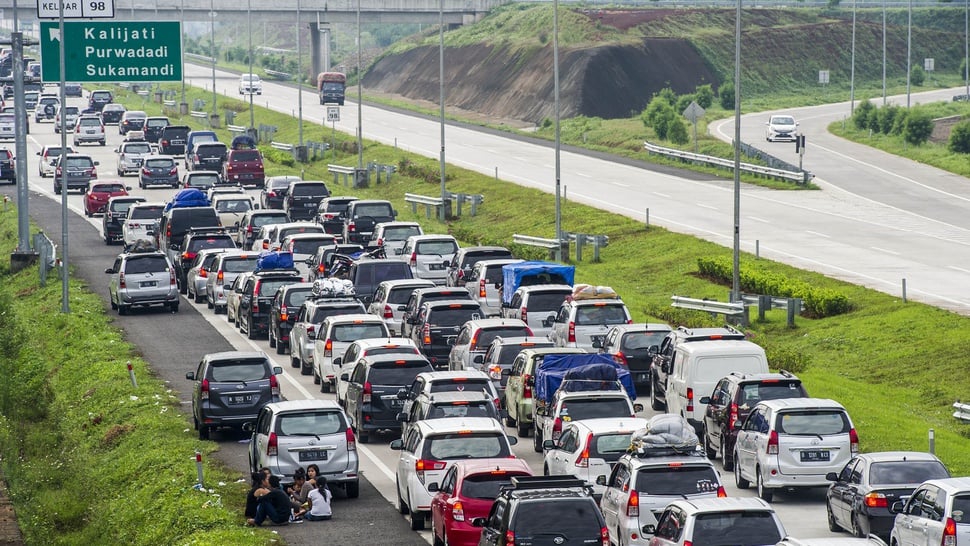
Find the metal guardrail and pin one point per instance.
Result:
(461, 198)
(554, 246)
(266, 132)
(169, 103)
(735, 310)
(198, 104)
(359, 176)
(200, 58)
(317, 148)
(582, 239)
(282, 146)
(278, 75)
(962, 411)
(796, 177)
(199, 115)
(380, 169)
(47, 255)
(237, 129)
(792, 306)
(428, 202)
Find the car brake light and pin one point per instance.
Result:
(633, 505)
(481, 288)
(414, 259)
(425, 465)
(473, 344)
(949, 533)
(255, 308)
(272, 446)
(620, 359)
(164, 142)
(457, 511)
(388, 313)
(351, 226)
(495, 372)
(144, 170)
(876, 500)
(526, 388)
(690, 399)
(274, 385)
(172, 281)
(721, 493)
(572, 332)
(351, 440)
(175, 170)
(204, 389)
(732, 416)
(510, 538)
(853, 441)
(605, 536)
(523, 315)
(283, 314)
(121, 281)
(328, 348)
(583, 460)
(366, 393)
(203, 273)
(426, 334)
(380, 241)
(557, 428)
(773, 443)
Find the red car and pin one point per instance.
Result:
(96, 198)
(466, 492)
(244, 167)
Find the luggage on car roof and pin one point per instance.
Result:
(274, 260)
(189, 197)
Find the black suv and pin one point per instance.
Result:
(330, 213)
(286, 304)
(366, 274)
(664, 359)
(732, 400)
(361, 217)
(437, 325)
(114, 217)
(274, 192)
(303, 197)
(195, 240)
(230, 388)
(419, 297)
(252, 221)
(257, 299)
(372, 388)
(153, 129)
(207, 156)
(544, 510)
(171, 139)
(8, 167)
(98, 98)
(634, 346)
(176, 222)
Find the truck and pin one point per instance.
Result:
(331, 87)
(571, 387)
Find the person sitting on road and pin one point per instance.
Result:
(319, 499)
(258, 478)
(271, 503)
(299, 478)
(312, 471)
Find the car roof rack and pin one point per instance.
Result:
(521, 483)
(197, 230)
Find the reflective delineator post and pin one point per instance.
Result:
(198, 468)
(131, 374)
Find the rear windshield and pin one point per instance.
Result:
(610, 446)
(485, 486)
(160, 162)
(101, 95)
(399, 233)
(107, 188)
(176, 132)
(278, 184)
(239, 265)
(122, 206)
(390, 350)
(90, 121)
(238, 371)
(320, 313)
(453, 316)
(198, 243)
(640, 342)
(546, 301)
(494, 275)
(481, 408)
(390, 373)
(588, 315)
(473, 258)
(385, 271)
(309, 246)
(752, 393)
(906, 472)
(295, 298)
(146, 264)
(310, 190)
(569, 517)
(508, 352)
(267, 219)
(676, 480)
(400, 296)
(352, 332)
(466, 446)
(78, 163)
(147, 212)
(436, 247)
(137, 148)
(594, 408)
(742, 527)
(270, 286)
(216, 149)
(301, 229)
(485, 337)
(203, 180)
(245, 155)
(812, 422)
(310, 423)
(156, 122)
(446, 295)
(460, 384)
(376, 209)
(233, 205)
(961, 503)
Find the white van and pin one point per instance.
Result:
(697, 368)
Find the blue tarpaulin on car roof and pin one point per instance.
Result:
(189, 197)
(595, 371)
(530, 273)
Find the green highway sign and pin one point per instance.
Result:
(103, 51)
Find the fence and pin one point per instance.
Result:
(461, 198)
(429, 202)
(47, 252)
(278, 75)
(554, 246)
(798, 177)
(731, 310)
(792, 306)
(962, 411)
(360, 176)
(381, 169)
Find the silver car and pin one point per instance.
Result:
(429, 256)
(142, 279)
(198, 273)
(934, 514)
(131, 155)
(228, 266)
(390, 299)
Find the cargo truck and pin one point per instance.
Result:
(331, 86)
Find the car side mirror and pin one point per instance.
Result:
(832, 477)
(149, 233)
(638, 407)
(402, 417)
(478, 359)
(401, 307)
(549, 444)
(705, 400)
(653, 350)
(512, 440)
(445, 263)
(433, 487)
(109, 270)
(897, 507)
(531, 381)
(345, 376)
(117, 151)
(478, 522)
(127, 188)
(96, 163)
(190, 376)
(549, 321)
(396, 445)
(601, 480)
(277, 370)
(737, 425)
(402, 394)
(249, 426)
(506, 372)
(597, 343)
(255, 206)
(649, 530)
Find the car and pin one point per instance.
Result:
(274, 191)
(436, 325)
(362, 215)
(430, 383)
(158, 170)
(367, 273)
(793, 442)
(228, 265)
(335, 334)
(467, 491)
(543, 510)
(8, 166)
(233, 293)
(131, 156)
(142, 279)
(80, 169)
(390, 298)
(46, 108)
(303, 197)
(98, 99)
(484, 284)
(200, 180)
(30, 100)
(70, 115)
(176, 222)
(420, 296)
(244, 167)
(392, 235)
(370, 347)
(330, 213)
(171, 140)
(230, 388)
(231, 208)
(8, 126)
(781, 127)
(718, 521)
(257, 299)
(310, 316)
(463, 260)
(141, 222)
(934, 514)
(132, 120)
(197, 276)
(634, 346)
(275, 233)
(196, 239)
(97, 195)
(153, 128)
(197, 137)
(286, 304)
(73, 89)
(207, 156)
(429, 256)
(372, 387)
(663, 361)
(134, 136)
(253, 220)
(115, 214)
(250, 84)
(291, 434)
(732, 400)
(112, 112)
(499, 356)
(871, 540)
(477, 334)
(303, 246)
(859, 498)
(519, 385)
(448, 404)
(432, 445)
(584, 322)
(589, 449)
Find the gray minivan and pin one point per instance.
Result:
(142, 279)
(230, 388)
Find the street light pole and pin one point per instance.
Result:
(212, 50)
(360, 101)
(555, 87)
(852, 70)
(299, 71)
(249, 16)
(441, 97)
(736, 277)
(909, 51)
(884, 52)
(183, 106)
(966, 45)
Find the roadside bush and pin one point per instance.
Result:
(704, 95)
(917, 76)
(725, 94)
(885, 117)
(899, 122)
(918, 128)
(960, 138)
(668, 95)
(682, 103)
(677, 131)
(658, 115)
(278, 156)
(860, 118)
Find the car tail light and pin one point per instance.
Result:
(351, 440)
(481, 288)
(620, 359)
(457, 511)
(583, 460)
(380, 241)
(145, 171)
(93, 173)
(204, 389)
(203, 273)
(556, 428)
(473, 344)
(121, 281)
(526, 388)
(633, 505)
(498, 407)
(195, 158)
(255, 308)
(510, 538)
(388, 313)
(426, 334)
(164, 142)
(188, 256)
(272, 446)
(605, 536)
(328, 348)
(772, 443)
(523, 315)
(414, 259)
(721, 493)
(274, 385)
(172, 281)
(351, 226)
(495, 372)
(220, 276)
(690, 399)
(853, 441)
(876, 500)
(366, 393)
(175, 170)
(732, 416)
(322, 268)
(284, 315)
(425, 465)
(572, 332)
(949, 533)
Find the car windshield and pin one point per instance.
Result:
(676, 480)
(437, 248)
(466, 445)
(594, 408)
(906, 472)
(399, 233)
(737, 528)
(589, 315)
(147, 213)
(232, 371)
(391, 373)
(569, 517)
(813, 422)
(309, 190)
(783, 120)
(352, 332)
(245, 155)
(483, 408)
(486, 486)
(240, 265)
(137, 148)
(309, 423)
(146, 264)
(485, 337)
(233, 205)
(159, 163)
(308, 246)
(453, 316)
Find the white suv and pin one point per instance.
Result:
(89, 128)
(793, 442)
(429, 449)
(336, 334)
(582, 322)
(588, 449)
(718, 521)
(249, 84)
(934, 514)
(429, 256)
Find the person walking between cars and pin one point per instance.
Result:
(272, 504)
(319, 499)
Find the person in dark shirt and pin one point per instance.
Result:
(272, 504)
(258, 483)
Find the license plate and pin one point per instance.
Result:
(136, 162)
(240, 399)
(393, 401)
(147, 284)
(245, 176)
(315, 455)
(90, 132)
(436, 267)
(814, 456)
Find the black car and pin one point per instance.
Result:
(8, 166)
(366, 274)
(195, 240)
(256, 301)
(230, 388)
(361, 217)
(372, 388)
(73, 89)
(112, 112)
(274, 192)
(208, 156)
(80, 168)
(303, 197)
(98, 99)
(171, 140)
(437, 324)
(633, 346)
(463, 262)
(286, 305)
(253, 220)
(330, 213)
(114, 217)
(153, 129)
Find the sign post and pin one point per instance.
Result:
(693, 113)
(113, 51)
(333, 116)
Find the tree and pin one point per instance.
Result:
(960, 138)
(899, 122)
(658, 115)
(677, 131)
(668, 95)
(683, 102)
(860, 118)
(885, 117)
(917, 76)
(726, 95)
(918, 127)
(704, 95)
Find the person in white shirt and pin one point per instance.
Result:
(319, 500)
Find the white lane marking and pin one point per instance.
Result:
(960, 269)
(817, 234)
(706, 206)
(658, 194)
(884, 250)
(756, 219)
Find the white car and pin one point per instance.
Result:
(429, 256)
(934, 514)
(588, 449)
(231, 207)
(249, 84)
(390, 299)
(781, 127)
(718, 521)
(336, 334)
(131, 155)
(431, 446)
(141, 222)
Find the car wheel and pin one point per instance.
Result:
(199, 299)
(537, 440)
(272, 341)
(208, 303)
(308, 370)
(57, 190)
(417, 521)
(833, 525)
(353, 490)
(435, 539)
(522, 430)
(509, 422)
(364, 438)
(657, 405)
(294, 362)
(87, 213)
(763, 492)
(250, 331)
(174, 307)
(122, 309)
(738, 479)
(727, 461)
(114, 306)
(101, 142)
(857, 529)
(402, 508)
(203, 432)
(280, 348)
(325, 386)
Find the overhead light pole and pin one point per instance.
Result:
(909, 51)
(360, 101)
(736, 277)
(966, 46)
(299, 72)
(212, 50)
(441, 98)
(249, 16)
(852, 70)
(555, 88)
(884, 52)
(183, 106)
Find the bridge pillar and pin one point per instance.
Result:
(319, 49)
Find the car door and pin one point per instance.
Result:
(747, 444)
(405, 462)
(610, 502)
(257, 444)
(354, 392)
(907, 526)
(716, 413)
(841, 492)
(493, 531)
(439, 501)
(557, 461)
(513, 387)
